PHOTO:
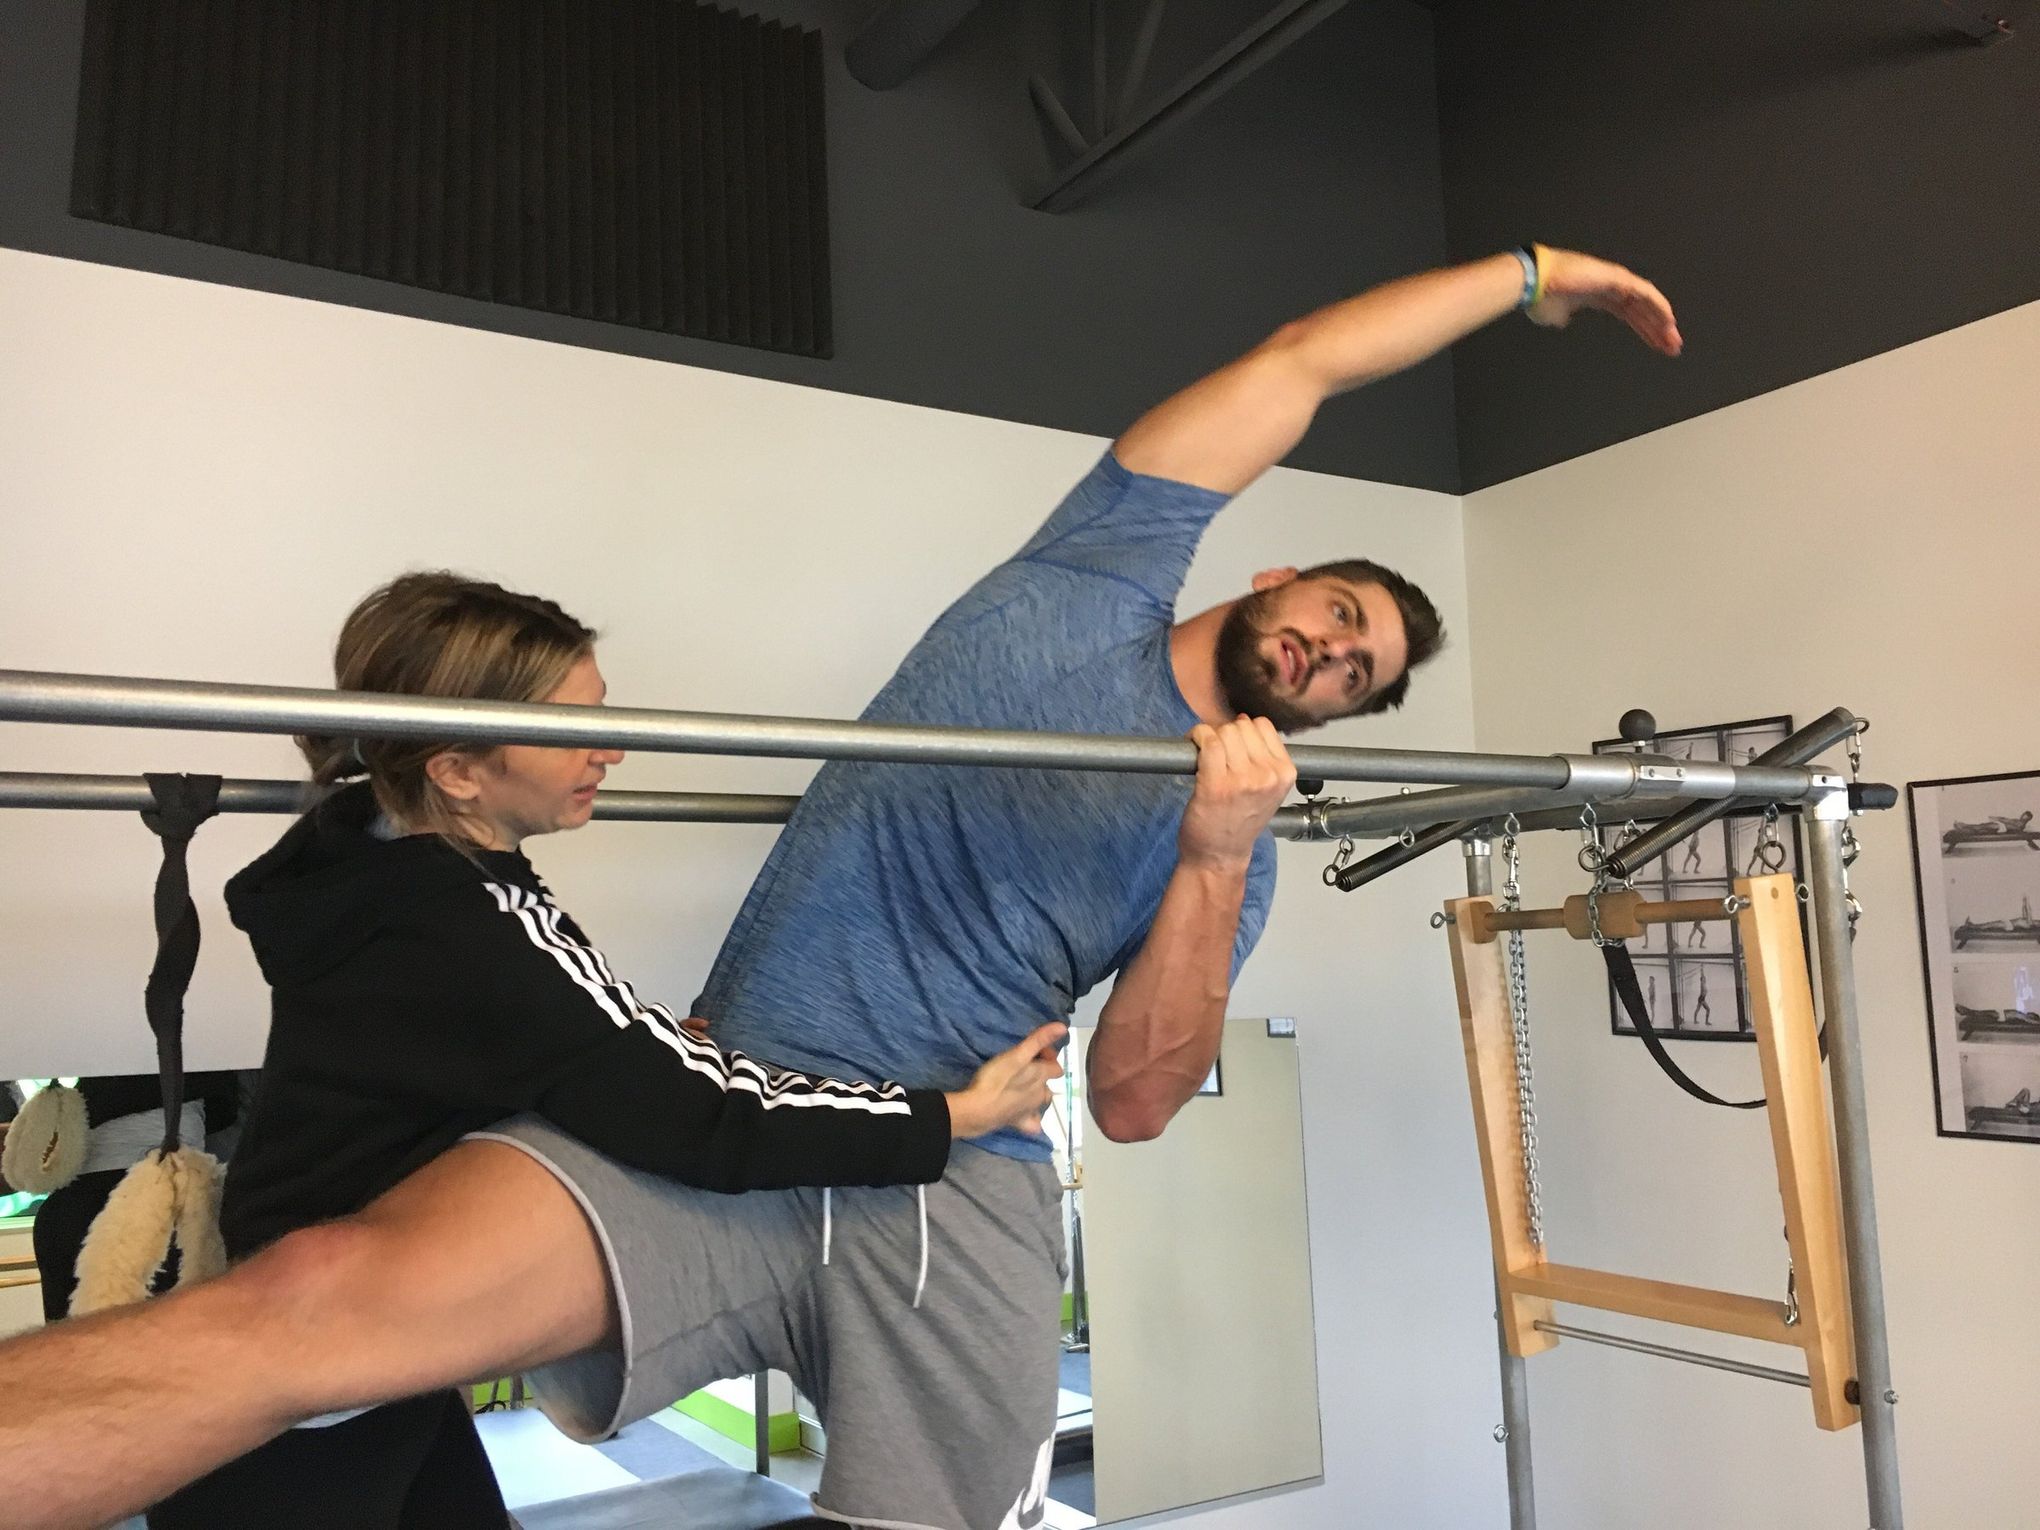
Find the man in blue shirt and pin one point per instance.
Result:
(912, 920)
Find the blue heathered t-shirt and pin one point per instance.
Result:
(914, 920)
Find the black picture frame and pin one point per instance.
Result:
(1979, 1068)
(1699, 963)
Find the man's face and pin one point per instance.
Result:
(1301, 652)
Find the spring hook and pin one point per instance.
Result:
(1341, 859)
(1591, 854)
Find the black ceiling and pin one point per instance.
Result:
(1812, 183)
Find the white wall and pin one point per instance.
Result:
(1864, 539)
(199, 481)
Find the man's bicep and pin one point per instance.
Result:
(1225, 431)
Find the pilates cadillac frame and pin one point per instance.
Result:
(1826, 1183)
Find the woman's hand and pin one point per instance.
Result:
(1011, 1089)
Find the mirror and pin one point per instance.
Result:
(1190, 1355)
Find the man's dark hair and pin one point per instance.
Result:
(1421, 622)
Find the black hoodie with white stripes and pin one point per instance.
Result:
(420, 995)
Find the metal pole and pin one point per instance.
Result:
(761, 1421)
(1515, 1429)
(1533, 807)
(1636, 786)
(33, 789)
(1423, 810)
(130, 794)
(1852, 1140)
(204, 706)
(1821, 734)
(1667, 1352)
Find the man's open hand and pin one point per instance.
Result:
(1573, 282)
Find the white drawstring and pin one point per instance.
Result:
(921, 1281)
(829, 1229)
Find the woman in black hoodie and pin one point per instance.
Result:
(426, 985)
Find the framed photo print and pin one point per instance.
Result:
(1692, 975)
(1976, 865)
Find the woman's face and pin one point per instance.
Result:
(519, 790)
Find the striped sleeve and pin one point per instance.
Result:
(577, 1044)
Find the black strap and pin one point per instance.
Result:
(182, 804)
(1622, 973)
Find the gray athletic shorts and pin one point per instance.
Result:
(940, 1417)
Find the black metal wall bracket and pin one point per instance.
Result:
(1117, 135)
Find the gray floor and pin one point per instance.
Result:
(665, 1470)
(715, 1498)
(1072, 1483)
(1076, 1373)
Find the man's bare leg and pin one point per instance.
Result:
(479, 1264)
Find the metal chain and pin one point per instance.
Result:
(1519, 1032)
(1851, 846)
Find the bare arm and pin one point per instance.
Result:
(1159, 1032)
(1225, 431)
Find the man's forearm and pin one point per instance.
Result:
(1225, 431)
(1394, 326)
(1159, 1032)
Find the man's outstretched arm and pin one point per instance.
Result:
(1227, 430)
(1159, 1032)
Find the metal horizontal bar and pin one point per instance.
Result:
(1667, 1352)
(694, 807)
(130, 794)
(205, 706)
(23, 789)
(1634, 785)
(1818, 736)
(1423, 810)
(1630, 808)
(1317, 821)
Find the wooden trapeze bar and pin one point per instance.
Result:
(1529, 1282)
(1623, 915)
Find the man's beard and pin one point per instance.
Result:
(1247, 679)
